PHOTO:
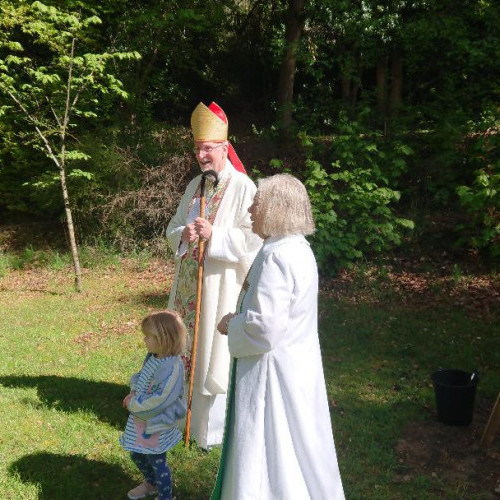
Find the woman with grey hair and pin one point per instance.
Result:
(278, 441)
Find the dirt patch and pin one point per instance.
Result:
(452, 455)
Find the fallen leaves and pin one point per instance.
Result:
(477, 293)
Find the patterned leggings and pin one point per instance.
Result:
(155, 470)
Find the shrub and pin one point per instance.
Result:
(481, 199)
(353, 199)
(136, 219)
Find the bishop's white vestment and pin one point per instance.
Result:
(278, 442)
(228, 256)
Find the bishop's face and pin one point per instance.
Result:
(211, 155)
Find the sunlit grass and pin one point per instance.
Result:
(66, 358)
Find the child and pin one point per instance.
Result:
(155, 403)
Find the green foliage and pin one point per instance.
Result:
(192, 51)
(231, 51)
(353, 199)
(5, 263)
(32, 258)
(447, 49)
(52, 77)
(481, 199)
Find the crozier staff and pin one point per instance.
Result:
(230, 246)
(278, 441)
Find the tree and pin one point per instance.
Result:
(294, 25)
(54, 83)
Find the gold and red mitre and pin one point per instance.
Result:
(211, 124)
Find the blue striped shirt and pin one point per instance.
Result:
(151, 394)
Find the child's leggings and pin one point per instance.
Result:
(155, 470)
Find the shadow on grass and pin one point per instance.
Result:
(71, 394)
(156, 300)
(70, 476)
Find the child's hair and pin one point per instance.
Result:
(168, 329)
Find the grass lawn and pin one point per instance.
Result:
(66, 358)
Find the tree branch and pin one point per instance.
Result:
(53, 112)
(37, 128)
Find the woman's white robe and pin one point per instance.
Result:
(228, 256)
(280, 444)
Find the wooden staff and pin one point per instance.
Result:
(493, 425)
(199, 287)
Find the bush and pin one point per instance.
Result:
(135, 219)
(352, 200)
(481, 199)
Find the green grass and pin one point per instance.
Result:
(378, 357)
(66, 358)
(65, 362)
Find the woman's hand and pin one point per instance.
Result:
(222, 326)
(127, 398)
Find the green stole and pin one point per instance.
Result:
(230, 408)
(217, 491)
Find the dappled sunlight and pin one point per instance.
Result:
(381, 336)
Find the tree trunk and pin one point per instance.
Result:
(147, 69)
(396, 91)
(62, 175)
(71, 230)
(356, 84)
(294, 26)
(382, 86)
(351, 76)
(346, 88)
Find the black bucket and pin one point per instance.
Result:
(455, 395)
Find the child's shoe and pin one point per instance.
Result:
(142, 491)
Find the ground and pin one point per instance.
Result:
(453, 454)
(426, 448)
(431, 448)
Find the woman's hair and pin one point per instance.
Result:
(168, 329)
(284, 206)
